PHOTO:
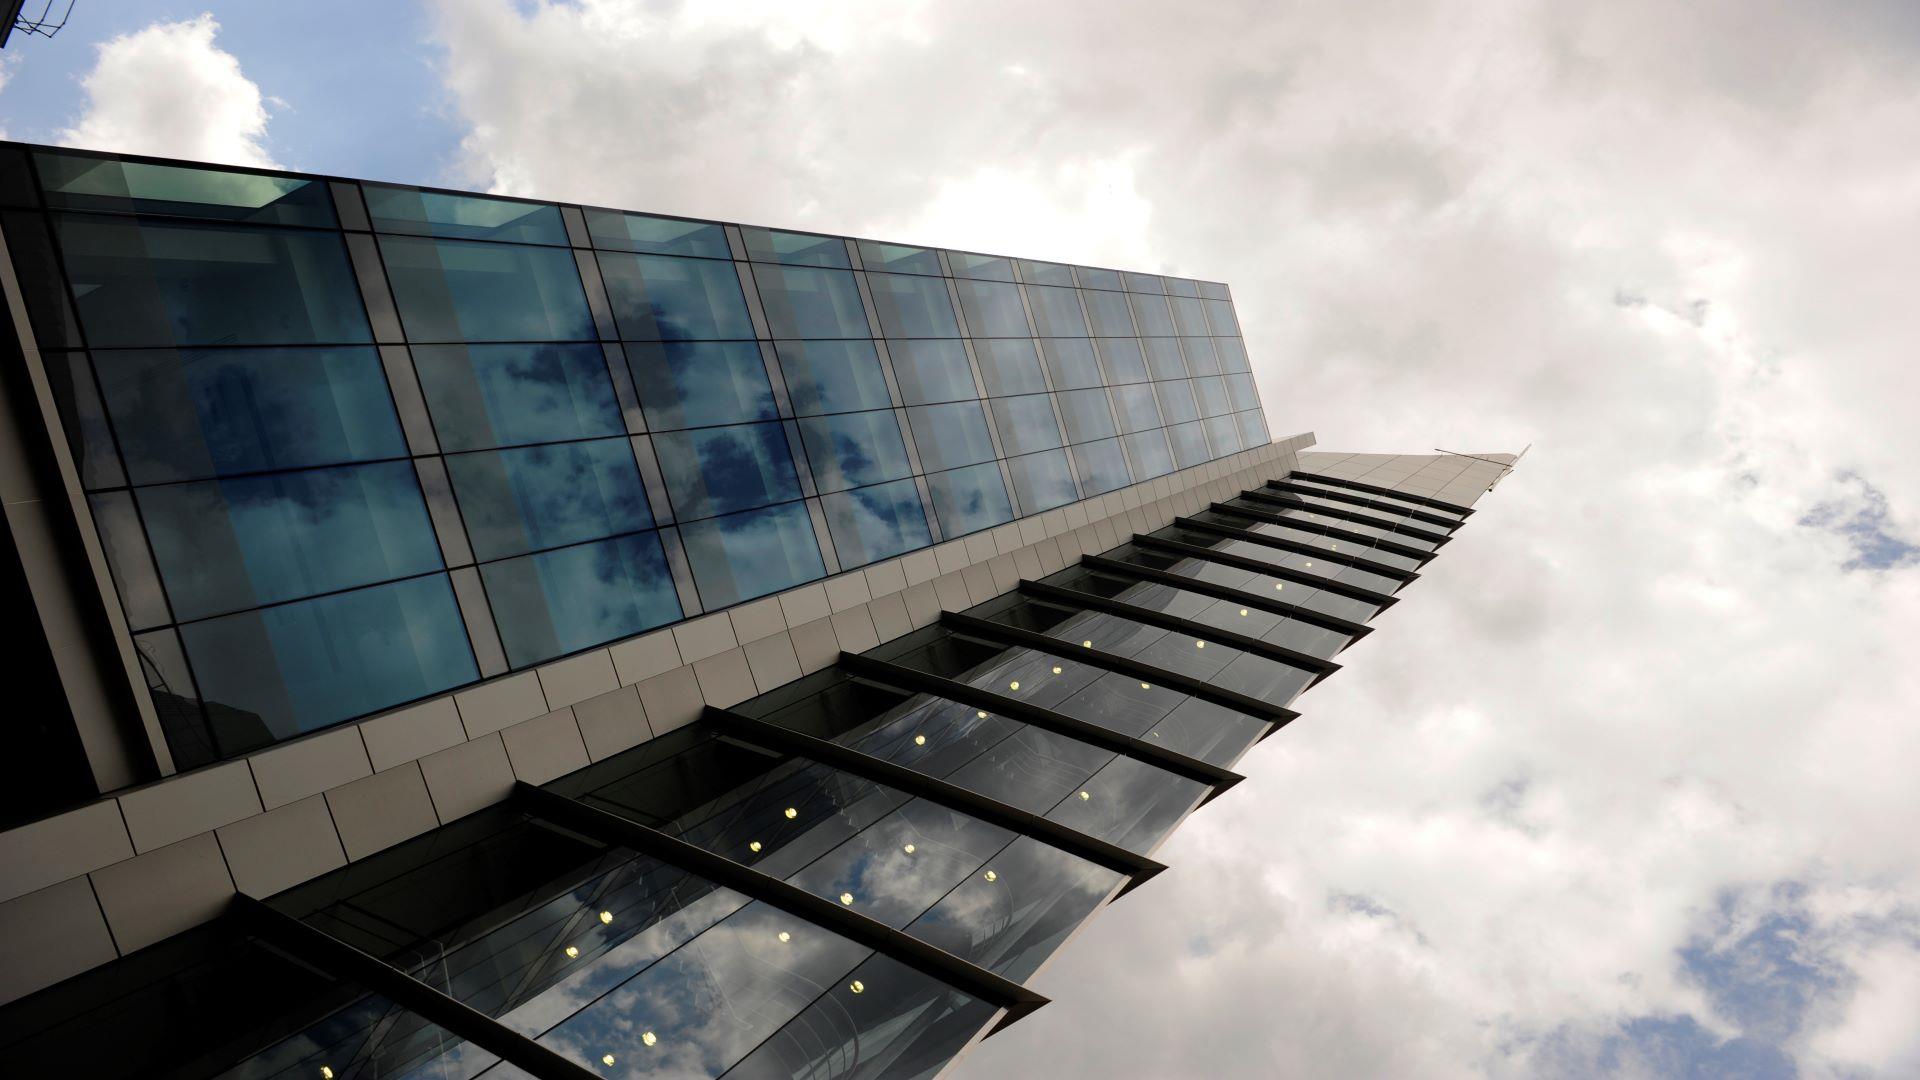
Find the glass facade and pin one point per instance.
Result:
(448, 435)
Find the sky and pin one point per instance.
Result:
(1628, 786)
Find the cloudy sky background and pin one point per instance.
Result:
(1629, 786)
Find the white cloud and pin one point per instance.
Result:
(1669, 247)
(169, 90)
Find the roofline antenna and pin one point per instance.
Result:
(44, 24)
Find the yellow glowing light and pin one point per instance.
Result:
(1014, 685)
(606, 917)
(785, 937)
(606, 1059)
(649, 1038)
(1278, 586)
(792, 813)
(1199, 644)
(1243, 613)
(846, 898)
(1146, 686)
(1309, 564)
(326, 1072)
(991, 876)
(1084, 796)
(753, 845)
(919, 740)
(982, 714)
(1087, 644)
(857, 986)
(573, 952)
(908, 849)
(1056, 671)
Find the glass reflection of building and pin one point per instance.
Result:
(345, 446)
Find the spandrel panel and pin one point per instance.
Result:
(534, 497)
(239, 543)
(793, 248)
(850, 450)
(719, 470)
(809, 302)
(832, 376)
(616, 231)
(899, 258)
(461, 290)
(75, 182)
(874, 523)
(558, 602)
(685, 384)
(665, 298)
(970, 499)
(741, 556)
(509, 395)
(141, 284)
(462, 217)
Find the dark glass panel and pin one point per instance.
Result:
(90, 183)
(794, 248)
(17, 187)
(1176, 401)
(1009, 366)
(948, 436)
(1087, 414)
(1164, 359)
(1189, 316)
(873, 523)
(535, 497)
(176, 700)
(1109, 313)
(186, 414)
(84, 418)
(913, 307)
(147, 283)
(1123, 360)
(742, 556)
(984, 267)
(1221, 319)
(125, 543)
(899, 258)
(719, 470)
(663, 298)
(1150, 453)
(223, 545)
(1043, 481)
(1056, 312)
(270, 674)
(993, 309)
(613, 230)
(43, 288)
(832, 376)
(557, 602)
(1072, 363)
(1026, 424)
(932, 371)
(459, 290)
(1046, 273)
(1091, 278)
(1011, 925)
(1136, 408)
(806, 302)
(1130, 803)
(462, 217)
(854, 449)
(1103, 467)
(507, 395)
(697, 384)
(970, 499)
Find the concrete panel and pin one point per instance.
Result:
(64, 846)
(847, 590)
(468, 777)
(761, 618)
(49, 935)
(412, 733)
(923, 604)
(805, 604)
(889, 615)
(854, 628)
(578, 678)
(545, 747)
(612, 722)
(282, 848)
(380, 811)
(725, 678)
(772, 661)
(644, 657)
(701, 638)
(884, 578)
(672, 700)
(920, 566)
(494, 705)
(188, 804)
(289, 773)
(815, 645)
(159, 894)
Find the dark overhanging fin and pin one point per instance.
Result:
(1321, 528)
(1355, 630)
(1123, 568)
(1398, 526)
(1298, 548)
(1417, 500)
(1354, 498)
(1341, 588)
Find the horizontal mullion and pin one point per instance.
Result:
(1298, 548)
(1341, 588)
(1279, 654)
(330, 954)
(1138, 868)
(1392, 525)
(1035, 716)
(1321, 528)
(944, 966)
(1279, 715)
(1335, 623)
(1217, 591)
(1354, 498)
(1417, 500)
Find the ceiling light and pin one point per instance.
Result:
(1243, 613)
(606, 917)
(1084, 796)
(857, 986)
(1056, 671)
(1278, 585)
(1199, 644)
(753, 846)
(991, 876)
(785, 937)
(573, 952)
(326, 1072)
(606, 1059)
(1146, 686)
(919, 740)
(908, 849)
(982, 714)
(846, 898)
(649, 1038)
(1014, 685)
(792, 813)
(1088, 644)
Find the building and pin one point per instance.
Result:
(473, 635)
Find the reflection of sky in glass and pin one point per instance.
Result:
(742, 556)
(931, 371)
(97, 184)
(1150, 454)
(507, 395)
(1200, 356)
(1150, 314)
(873, 523)
(1108, 310)
(1009, 366)
(970, 499)
(537, 497)
(1057, 311)
(832, 376)
(664, 236)
(1044, 481)
(793, 248)
(853, 449)
(1072, 362)
(913, 307)
(1026, 423)
(460, 290)
(718, 470)
(663, 298)
(1189, 443)
(472, 217)
(1087, 414)
(1123, 360)
(1164, 358)
(806, 302)
(561, 601)
(949, 436)
(687, 384)
(993, 308)
(1103, 467)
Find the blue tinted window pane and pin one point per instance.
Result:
(1223, 433)
(1109, 313)
(1241, 392)
(1164, 359)
(1212, 393)
(1189, 444)
(1189, 316)
(1136, 408)
(142, 283)
(1046, 273)
(272, 674)
(932, 371)
(458, 290)
(970, 499)
(898, 258)
(1150, 454)
(985, 267)
(1150, 314)
(993, 309)
(1232, 353)
(854, 449)
(613, 230)
(86, 183)
(239, 543)
(1213, 290)
(1253, 428)
(794, 248)
(689, 384)
(913, 307)
(1043, 481)
(1176, 401)
(505, 395)
(462, 217)
(1057, 312)
(719, 470)
(1123, 360)
(1103, 467)
(949, 436)
(1009, 366)
(876, 522)
(188, 414)
(1201, 359)
(1072, 363)
(1181, 287)
(1087, 415)
(1091, 278)
(563, 601)
(1026, 423)
(802, 302)
(742, 556)
(535, 497)
(1220, 318)
(832, 376)
(1143, 283)
(662, 298)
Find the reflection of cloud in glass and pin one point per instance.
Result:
(742, 556)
